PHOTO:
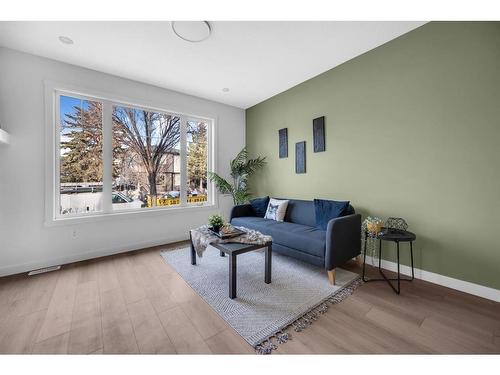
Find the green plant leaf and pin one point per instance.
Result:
(241, 170)
(222, 185)
(241, 196)
(253, 165)
(216, 220)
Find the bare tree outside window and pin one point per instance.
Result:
(149, 144)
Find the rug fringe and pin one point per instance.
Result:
(271, 343)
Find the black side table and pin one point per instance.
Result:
(397, 236)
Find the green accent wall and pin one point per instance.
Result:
(412, 131)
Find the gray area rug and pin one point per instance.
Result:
(261, 313)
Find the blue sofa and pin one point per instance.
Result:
(298, 236)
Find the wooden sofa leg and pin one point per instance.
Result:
(359, 260)
(331, 276)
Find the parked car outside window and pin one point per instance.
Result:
(121, 201)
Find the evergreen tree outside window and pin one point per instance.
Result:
(81, 167)
(197, 161)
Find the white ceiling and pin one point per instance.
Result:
(255, 60)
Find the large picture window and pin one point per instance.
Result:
(119, 157)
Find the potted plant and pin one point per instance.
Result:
(241, 170)
(216, 222)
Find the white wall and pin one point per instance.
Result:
(25, 241)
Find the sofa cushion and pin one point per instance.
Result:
(300, 212)
(259, 205)
(326, 210)
(304, 238)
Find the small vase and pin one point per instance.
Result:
(216, 228)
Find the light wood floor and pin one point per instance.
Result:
(136, 303)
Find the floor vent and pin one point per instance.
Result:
(44, 270)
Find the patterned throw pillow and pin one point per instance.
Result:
(276, 209)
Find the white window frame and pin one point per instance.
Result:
(53, 91)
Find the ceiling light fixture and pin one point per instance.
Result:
(225, 89)
(192, 31)
(65, 39)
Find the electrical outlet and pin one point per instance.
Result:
(74, 233)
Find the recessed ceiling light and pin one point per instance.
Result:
(225, 89)
(65, 39)
(192, 31)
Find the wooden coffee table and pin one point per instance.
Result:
(233, 249)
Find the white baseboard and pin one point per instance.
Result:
(25, 267)
(435, 278)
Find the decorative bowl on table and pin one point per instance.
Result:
(227, 231)
(373, 225)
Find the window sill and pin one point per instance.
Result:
(127, 214)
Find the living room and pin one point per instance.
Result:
(250, 186)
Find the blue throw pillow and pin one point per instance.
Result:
(259, 206)
(326, 210)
